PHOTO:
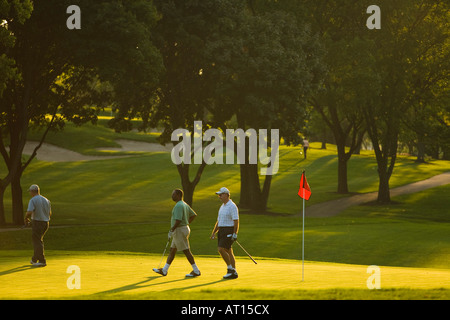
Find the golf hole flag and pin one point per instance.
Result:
(304, 191)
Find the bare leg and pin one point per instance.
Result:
(171, 255)
(232, 259)
(228, 256)
(189, 256)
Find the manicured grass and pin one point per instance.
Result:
(361, 235)
(138, 189)
(124, 205)
(118, 275)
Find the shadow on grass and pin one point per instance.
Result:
(147, 283)
(16, 269)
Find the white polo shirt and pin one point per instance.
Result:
(228, 212)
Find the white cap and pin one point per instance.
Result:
(34, 187)
(223, 190)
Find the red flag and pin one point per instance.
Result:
(304, 191)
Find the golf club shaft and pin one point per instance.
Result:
(159, 265)
(230, 235)
(246, 252)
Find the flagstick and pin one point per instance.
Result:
(303, 239)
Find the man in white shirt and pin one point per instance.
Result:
(39, 211)
(228, 226)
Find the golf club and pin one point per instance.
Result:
(248, 254)
(159, 265)
(26, 224)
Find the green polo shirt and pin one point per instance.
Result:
(182, 211)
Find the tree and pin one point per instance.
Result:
(265, 66)
(425, 127)
(339, 99)
(227, 66)
(185, 94)
(406, 61)
(426, 123)
(61, 72)
(10, 11)
(344, 92)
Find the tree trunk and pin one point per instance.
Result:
(244, 201)
(384, 195)
(188, 191)
(251, 195)
(17, 203)
(187, 184)
(2, 206)
(342, 167)
(342, 175)
(420, 151)
(256, 203)
(250, 189)
(445, 153)
(188, 188)
(265, 192)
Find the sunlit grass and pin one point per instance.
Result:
(123, 275)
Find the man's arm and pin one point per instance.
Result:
(235, 230)
(28, 216)
(213, 234)
(30, 210)
(192, 215)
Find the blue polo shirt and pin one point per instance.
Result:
(41, 207)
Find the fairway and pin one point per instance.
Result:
(122, 275)
(408, 239)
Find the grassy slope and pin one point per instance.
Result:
(411, 233)
(85, 139)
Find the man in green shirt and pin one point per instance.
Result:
(182, 216)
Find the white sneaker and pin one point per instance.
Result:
(160, 271)
(193, 274)
(231, 274)
(39, 264)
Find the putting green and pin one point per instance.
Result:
(105, 275)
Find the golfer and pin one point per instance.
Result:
(182, 216)
(228, 226)
(305, 146)
(38, 212)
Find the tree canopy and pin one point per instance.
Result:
(68, 75)
(230, 64)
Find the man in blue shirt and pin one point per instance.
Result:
(39, 211)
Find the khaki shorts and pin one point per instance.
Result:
(180, 238)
